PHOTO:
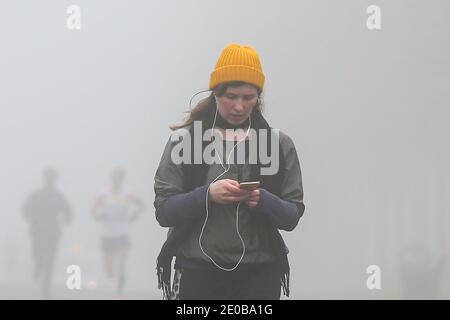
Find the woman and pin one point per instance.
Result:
(225, 237)
(116, 209)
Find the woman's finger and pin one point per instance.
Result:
(254, 198)
(251, 204)
(233, 182)
(233, 198)
(230, 188)
(239, 192)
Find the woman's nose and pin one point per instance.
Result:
(239, 105)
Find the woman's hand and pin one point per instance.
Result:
(253, 198)
(227, 191)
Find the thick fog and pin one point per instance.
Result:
(368, 111)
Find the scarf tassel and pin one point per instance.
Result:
(285, 283)
(163, 273)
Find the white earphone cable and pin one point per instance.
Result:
(237, 208)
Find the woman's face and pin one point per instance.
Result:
(237, 103)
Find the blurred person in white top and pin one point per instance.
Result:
(116, 209)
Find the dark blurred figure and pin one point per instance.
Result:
(420, 275)
(45, 210)
(116, 209)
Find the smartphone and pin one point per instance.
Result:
(250, 185)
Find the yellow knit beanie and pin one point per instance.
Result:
(238, 63)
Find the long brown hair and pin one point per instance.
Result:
(204, 108)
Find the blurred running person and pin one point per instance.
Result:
(45, 210)
(116, 209)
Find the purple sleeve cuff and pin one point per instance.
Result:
(282, 214)
(182, 207)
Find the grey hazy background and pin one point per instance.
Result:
(368, 112)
